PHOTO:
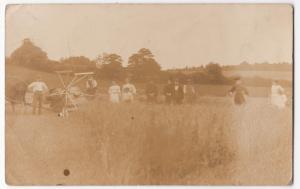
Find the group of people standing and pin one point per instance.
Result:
(116, 93)
(174, 92)
(177, 93)
(277, 95)
(126, 94)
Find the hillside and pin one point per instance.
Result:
(278, 75)
(13, 72)
(282, 67)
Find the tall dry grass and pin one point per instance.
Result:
(156, 144)
(210, 142)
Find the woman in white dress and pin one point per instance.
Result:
(114, 92)
(278, 98)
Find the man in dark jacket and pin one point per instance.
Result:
(178, 93)
(151, 92)
(169, 91)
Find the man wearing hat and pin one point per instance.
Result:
(91, 86)
(39, 88)
(168, 91)
(178, 94)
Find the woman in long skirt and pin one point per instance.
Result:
(239, 93)
(114, 92)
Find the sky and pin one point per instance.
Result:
(178, 35)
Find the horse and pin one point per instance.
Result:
(15, 94)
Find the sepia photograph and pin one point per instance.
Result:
(149, 94)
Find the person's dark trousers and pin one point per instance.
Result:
(37, 102)
(178, 101)
(151, 99)
(190, 99)
(91, 92)
(168, 100)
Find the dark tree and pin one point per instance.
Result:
(110, 67)
(143, 66)
(78, 63)
(214, 71)
(29, 55)
(76, 60)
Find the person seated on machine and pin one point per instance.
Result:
(91, 86)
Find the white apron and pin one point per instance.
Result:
(114, 93)
(278, 98)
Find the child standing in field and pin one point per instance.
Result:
(114, 92)
(239, 93)
(278, 98)
(128, 91)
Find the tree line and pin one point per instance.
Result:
(142, 66)
(245, 66)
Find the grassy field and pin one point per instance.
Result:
(213, 142)
(210, 142)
